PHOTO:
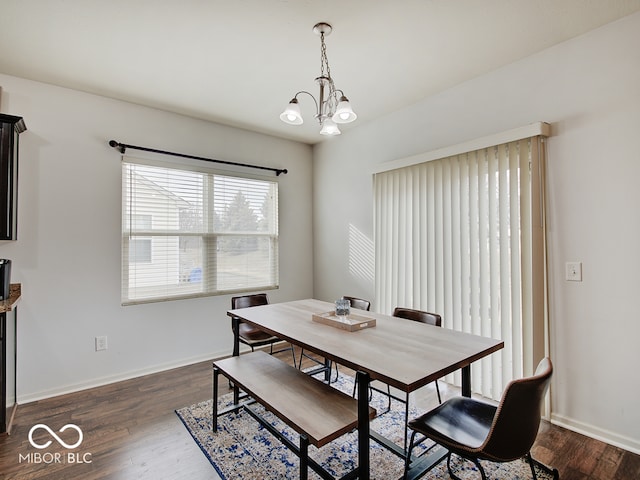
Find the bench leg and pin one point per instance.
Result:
(304, 457)
(216, 374)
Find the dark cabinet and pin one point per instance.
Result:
(10, 129)
(8, 357)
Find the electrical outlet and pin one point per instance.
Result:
(573, 271)
(101, 343)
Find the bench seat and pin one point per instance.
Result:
(315, 410)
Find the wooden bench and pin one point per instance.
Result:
(315, 410)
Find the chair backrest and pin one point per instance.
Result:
(245, 301)
(358, 303)
(515, 425)
(418, 316)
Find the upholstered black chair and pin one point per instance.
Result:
(416, 316)
(358, 303)
(250, 335)
(355, 302)
(422, 317)
(477, 430)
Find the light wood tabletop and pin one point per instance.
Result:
(401, 353)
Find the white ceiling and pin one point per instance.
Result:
(239, 62)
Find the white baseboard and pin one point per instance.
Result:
(99, 382)
(612, 438)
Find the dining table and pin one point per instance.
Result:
(403, 354)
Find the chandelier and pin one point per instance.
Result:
(332, 107)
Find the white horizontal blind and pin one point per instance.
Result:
(190, 233)
(454, 236)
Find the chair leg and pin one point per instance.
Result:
(300, 362)
(533, 469)
(407, 460)
(484, 475)
(298, 365)
(451, 474)
(475, 462)
(293, 354)
(337, 372)
(252, 349)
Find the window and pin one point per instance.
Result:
(140, 248)
(462, 236)
(195, 233)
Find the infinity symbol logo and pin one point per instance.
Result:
(53, 434)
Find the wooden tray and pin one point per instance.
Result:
(351, 323)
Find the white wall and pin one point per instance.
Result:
(67, 256)
(589, 90)
(68, 252)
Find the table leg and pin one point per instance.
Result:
(235, 324)
(327, 371)
(304, 457)
(466, 381)
(216, 373)
(363, 380)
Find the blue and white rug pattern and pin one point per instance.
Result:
(244, 449)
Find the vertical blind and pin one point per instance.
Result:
(192, 233)
(455, 236)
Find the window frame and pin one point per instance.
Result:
(212, 235)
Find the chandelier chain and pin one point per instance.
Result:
(324, 61)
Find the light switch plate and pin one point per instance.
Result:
(573, 271)
(101, 343)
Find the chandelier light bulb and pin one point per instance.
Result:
(292, 114)
(329, 128)
(344, 112)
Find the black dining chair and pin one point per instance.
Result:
(416, 316)
(359, 303)
(355, 302)
(250, 335)
(476, 430)
(421, 317)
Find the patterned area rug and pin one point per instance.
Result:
(244, 449)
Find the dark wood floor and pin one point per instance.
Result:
(131, 432)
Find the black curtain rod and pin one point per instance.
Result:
(123, 146)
